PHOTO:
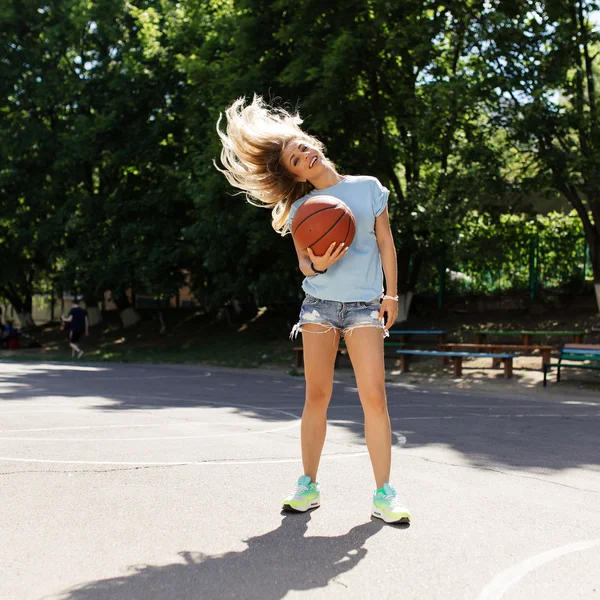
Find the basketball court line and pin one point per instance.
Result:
(401, 441)
(295, 423)
(504, 581)
(79, 427)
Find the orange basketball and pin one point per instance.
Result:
(322, 220)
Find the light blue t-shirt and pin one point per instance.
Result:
(358, 276)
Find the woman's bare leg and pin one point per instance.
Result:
(320, 350)
(365, 347)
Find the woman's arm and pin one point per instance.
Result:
(387, 249)
(306, 257)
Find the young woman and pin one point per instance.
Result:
(267, 155)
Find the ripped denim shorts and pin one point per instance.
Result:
(343, 316)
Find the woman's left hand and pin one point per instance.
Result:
(388, 312)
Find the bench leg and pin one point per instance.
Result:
(545, 357)
(404, 362)
(457, 363)
(495, 361)
(299, 358)
(558, 373)
(508, 365)
(545, 367)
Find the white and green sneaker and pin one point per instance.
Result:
(306, 496)
(387, 506)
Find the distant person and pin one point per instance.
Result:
(8, 335)
(78, 325)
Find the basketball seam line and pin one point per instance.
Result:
(348, 232)
(312, 214)
(317, 241)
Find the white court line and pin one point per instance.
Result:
(507, 579)
(294, 423)
(151, 439)
(150, 377)
(401, 442)
(78, 427)
(179, 463)
(32, 403)
(535, 416)
(442, 406)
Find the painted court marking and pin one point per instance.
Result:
(294, 423)
(401, 439)
(259, 461)
(496, 589)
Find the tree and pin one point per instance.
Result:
(31, 189)
(92, 146)
(388, 87)
(540, 56)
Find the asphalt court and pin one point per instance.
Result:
(139, 481)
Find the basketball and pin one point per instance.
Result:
(322, 220)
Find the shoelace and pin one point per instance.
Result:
(300, 489)
(394, 500)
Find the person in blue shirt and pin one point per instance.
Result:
(267, 155)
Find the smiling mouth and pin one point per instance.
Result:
(313, 161)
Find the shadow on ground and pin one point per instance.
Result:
(272, 565)
(494, 431)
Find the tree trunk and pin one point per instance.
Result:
(594, 245)
(94, 315)
(128, 314)
(22, 305)
(404, 302)
(591, 228)
(409, 265)
(24, 320)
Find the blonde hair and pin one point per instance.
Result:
(253, 142)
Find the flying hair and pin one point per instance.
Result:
(254, 139)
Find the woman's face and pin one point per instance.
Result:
(303, 161)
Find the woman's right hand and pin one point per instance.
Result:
(332, 255)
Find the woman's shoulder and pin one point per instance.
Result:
(364, 179)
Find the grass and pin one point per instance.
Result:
(189, 339)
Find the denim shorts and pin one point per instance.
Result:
(343, 316)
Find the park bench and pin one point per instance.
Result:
(457, 358)
(545, 351)
(406, 334)
(577, 354)
(526, 336)
(299, 350)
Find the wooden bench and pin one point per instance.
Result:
(578, 354)
(526, 336)
(457, 358)
(545, 351)
(342, 350)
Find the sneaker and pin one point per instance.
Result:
(80, 354)
(306, 496)
(387, 506)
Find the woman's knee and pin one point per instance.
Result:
(374, 404)
(318, 396)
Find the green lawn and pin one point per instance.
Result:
(246, 345)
